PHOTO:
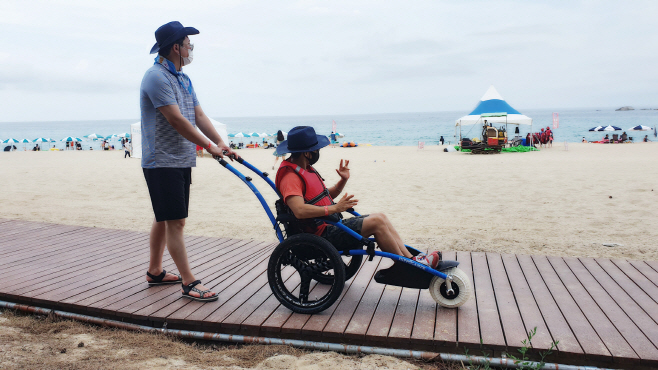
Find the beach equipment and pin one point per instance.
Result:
(597, 128)
(41, 140)
(95, 137)
(71, 138)
(312, 259)
(495, 110)
(611, 128)
(124, 135)
(10, 141)
(640, 128)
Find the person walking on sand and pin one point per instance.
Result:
(169, 112)
(441, 140)
(279, 140)
(128, 147)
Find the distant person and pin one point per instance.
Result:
(646, 139)
(584, 140)
(624, 137)
(441, 140)
(170, 113)
(128, 146)
(279, 140)
(333, 139)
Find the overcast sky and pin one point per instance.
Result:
(84, 60)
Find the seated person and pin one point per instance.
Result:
(646, 138)
(304, 192)
(584, 140)
(624, 137)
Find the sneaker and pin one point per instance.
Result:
(421, 258)
(433, 259)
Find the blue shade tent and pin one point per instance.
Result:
(493, 108)
(490, 104)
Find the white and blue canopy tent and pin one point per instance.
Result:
(495, 110)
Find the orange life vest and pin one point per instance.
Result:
(314, 193)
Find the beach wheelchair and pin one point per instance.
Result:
(307, 273)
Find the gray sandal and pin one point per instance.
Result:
(201, 298)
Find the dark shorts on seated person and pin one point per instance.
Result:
(341, 239)
(169, 189)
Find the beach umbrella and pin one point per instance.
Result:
(41, 140)
(94, 137)
(339, 135)
(597, 128)
(611, 128)
(24, 141)
(124, 135)
(640, 128)
(10, 141)
(71, 138)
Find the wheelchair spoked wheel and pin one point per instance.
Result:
(352, 264)
(461, 286)
(294, 268)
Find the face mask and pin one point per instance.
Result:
(315, 156)
(187, 60)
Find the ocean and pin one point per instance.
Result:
(389, 129)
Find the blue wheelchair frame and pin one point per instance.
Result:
(247, 180)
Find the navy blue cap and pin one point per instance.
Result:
(168, 33)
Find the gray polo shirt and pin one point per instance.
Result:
(162, 145)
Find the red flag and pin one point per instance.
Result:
(333, 126)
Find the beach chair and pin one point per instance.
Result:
(615, 138)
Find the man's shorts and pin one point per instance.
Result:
(341, 239)
(169, 189)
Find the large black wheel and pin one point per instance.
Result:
(294, 269)
(352, 264)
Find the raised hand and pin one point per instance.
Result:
(343, 171)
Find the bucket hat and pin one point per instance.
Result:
(168, 33)
(302, 139)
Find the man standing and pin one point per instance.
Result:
(170, 113)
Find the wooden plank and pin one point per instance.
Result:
(98, 302)
(51, 247)
(624, 284)
(633, 337)
(100, 275)
(605, 329)
(332, 325)
(528, 307)
(63, 271)
(648, 280)
(468, 325)
(491, 330)
(557, 324)
(27, 236)
(403, 318)
(380, 324)
(125, 306)
(218, 277)
(582, 329)
(235, 320)
(124, 275)
(445, 321)
(510, 316)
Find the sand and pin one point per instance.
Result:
(553, 202)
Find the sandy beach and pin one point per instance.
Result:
(553, 202)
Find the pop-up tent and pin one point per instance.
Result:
(494, 109)
(136, 135)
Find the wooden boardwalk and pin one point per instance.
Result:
(602, 312)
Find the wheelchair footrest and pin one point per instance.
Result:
(404, 275)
